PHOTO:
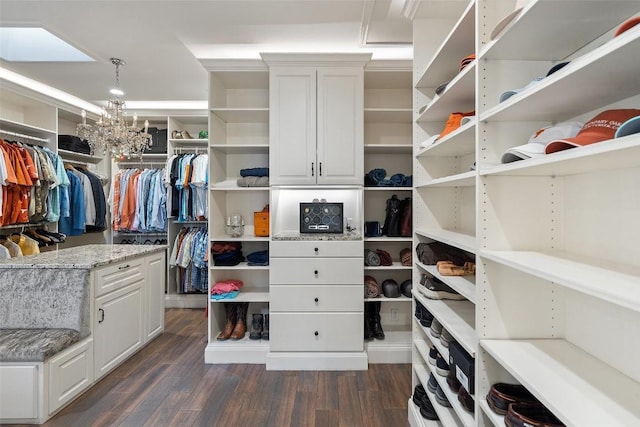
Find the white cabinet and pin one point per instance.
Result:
(155, 268)
(316, 120)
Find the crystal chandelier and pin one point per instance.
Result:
(111, 133)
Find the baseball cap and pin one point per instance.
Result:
(467, 60)
(539, 140)
(520, 4)
(600, 128)
(629, 127)
(627, 25)
(453, 122)
(508, 94)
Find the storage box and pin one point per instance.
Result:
(463, 364)
(261, 224)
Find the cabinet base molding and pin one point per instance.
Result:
(242, 351)
(392, 353)
(321, 361)
(185, 301)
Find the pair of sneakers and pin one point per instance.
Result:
(421, 400)
(438, 331)
(436, 359)
(438, 392)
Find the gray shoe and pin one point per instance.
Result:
(445, 338)
(432, 384)
(441, 398)
(434, 288)
(436, 328)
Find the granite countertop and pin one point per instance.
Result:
(82, 257)
(297, 236)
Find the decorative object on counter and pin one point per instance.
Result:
(371, 287)
(321, 217)
(235, 225)
(236, 321)
(111, 133)
(261, 222)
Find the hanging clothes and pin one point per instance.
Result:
(189, 257)
(139, 200)
(187, 179)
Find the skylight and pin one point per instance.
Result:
(33, 44)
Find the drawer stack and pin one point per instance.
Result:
(316, 305)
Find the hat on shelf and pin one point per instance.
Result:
(627, 25)
(453, 122)
(520, 4)
(508, 94)
(600, 128)
(466, 119)
(467, 60)
(629, 127)
(538, 141)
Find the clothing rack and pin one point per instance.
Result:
(190, 150)
(75, 163)
(21, 135)
(141, 165)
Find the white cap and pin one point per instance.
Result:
(538, 141)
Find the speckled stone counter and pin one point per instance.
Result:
(81, 257)
(296, 236)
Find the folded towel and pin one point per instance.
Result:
(385, 257)
(371, 287)
(254, 172)
(377, 175)
(258, 258)
(253, 181)
(371, 258)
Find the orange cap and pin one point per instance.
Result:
(601, 128)
(627, 25)
(453, 122)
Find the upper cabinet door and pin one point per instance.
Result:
(292, 126)
(340, 149)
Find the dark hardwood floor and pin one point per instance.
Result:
(168, 384)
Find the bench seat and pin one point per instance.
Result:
(34, 345)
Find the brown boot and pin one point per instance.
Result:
(241, 321)
(231, 313)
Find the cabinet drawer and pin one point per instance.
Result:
(118, 275)
(316, 271)
(316, 331)
(70, 372)
(316, 298)
(341, 248)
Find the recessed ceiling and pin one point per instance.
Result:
(162, 41)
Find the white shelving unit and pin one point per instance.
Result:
(555, 295)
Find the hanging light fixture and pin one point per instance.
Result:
(111, 134)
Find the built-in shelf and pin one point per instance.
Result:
(396, 266)
(241, 148)
(451, 238)
(387, 149)
(465, 179)
(464, 285)
(25, 129)
(244, 296)
(242, 115)
(388, 115)
(459, 96)
(460, 142)
(79, 157)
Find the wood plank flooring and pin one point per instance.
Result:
(168, 384)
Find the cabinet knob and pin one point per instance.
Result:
(316, 250)
(316, 299)
(316, 333)
(315, 272)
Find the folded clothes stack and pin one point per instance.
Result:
(253, 181)
(226, 289)
(258, 258)
(226, 253)
(378, 178)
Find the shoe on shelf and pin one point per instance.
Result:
(502, 394)
(534, 414)
(418, 394)
(257, 322)
(434, 356)
(442, 367)
(441, 398)
(423, 315)
(445, 338)
(434, 288)
(453, 382)
(427, 410)
(231, 314)
(432, 384)
(265, 329)
(436, 328)
(241, 321)
(465, 399)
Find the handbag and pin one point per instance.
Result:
(391, 226)
(405, 218)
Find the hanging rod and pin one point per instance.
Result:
(21, 135)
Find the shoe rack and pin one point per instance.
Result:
(553, 300)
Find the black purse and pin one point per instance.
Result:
(391, 226)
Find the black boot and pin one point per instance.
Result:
(265, 329)
(376, 326)
(256, 327)
(368, 330)
(231, 315)
(241, 321)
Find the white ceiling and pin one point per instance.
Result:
(162, 41)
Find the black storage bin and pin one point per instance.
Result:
(463, 364)
(159, 138)
(73, 143)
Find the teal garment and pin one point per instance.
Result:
(228, 295)
(58, 191)
(73, 225)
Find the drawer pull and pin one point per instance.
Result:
(316, 299)
(315, 249)
(316, 333)
(124, 267)
(315, 272)
(101, 311)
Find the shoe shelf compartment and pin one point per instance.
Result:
(457, 317)
(396, 266)
(578, 388)
(394, 348)
(448, 415)
(464, 179)
(416, 420)
(452, 238)
(464, 285)
(460, 142)
(612, 282)
(495, 419)
(458, 96)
